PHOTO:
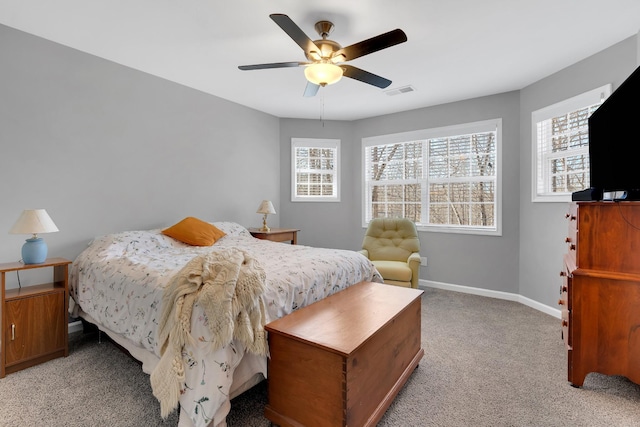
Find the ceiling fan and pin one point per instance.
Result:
(327, 58)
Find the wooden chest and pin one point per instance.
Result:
(341, 361)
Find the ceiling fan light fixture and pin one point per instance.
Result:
(338, 58)
(323, 73)
(314, 56)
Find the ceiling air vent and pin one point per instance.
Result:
(398, 91)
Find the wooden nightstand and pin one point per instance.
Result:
(34, 318)
(277, 234)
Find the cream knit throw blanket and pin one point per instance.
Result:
(228, 285)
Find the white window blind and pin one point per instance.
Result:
(561, 146)
(444, 179)
(315, 170)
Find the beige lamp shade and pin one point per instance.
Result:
(266, 207)
(34, 221)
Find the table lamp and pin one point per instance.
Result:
(265, 208)
(34, 221)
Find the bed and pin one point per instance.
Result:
(118, 282)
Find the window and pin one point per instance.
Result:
(315, 170)
(444, 179)
(561, 146)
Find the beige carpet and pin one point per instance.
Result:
(487, 362)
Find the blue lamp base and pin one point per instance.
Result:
(34, 251)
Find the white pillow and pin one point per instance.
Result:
(232, 228)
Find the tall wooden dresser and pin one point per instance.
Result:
(600, 291)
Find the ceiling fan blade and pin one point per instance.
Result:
(311, 89)
(298, 36)
(364, 76)
(373, 44)
(271, 65)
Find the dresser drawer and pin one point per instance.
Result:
(565, 305)
(572, 230)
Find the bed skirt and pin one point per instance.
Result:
(251, 371)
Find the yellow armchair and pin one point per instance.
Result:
(393, 246)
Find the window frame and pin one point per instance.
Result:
(539, 173)
(432, 133)
(315, 143)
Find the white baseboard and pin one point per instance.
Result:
(75, 326)
(492, 294)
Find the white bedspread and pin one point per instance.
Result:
(119, 280)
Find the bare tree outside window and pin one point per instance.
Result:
(568, 157)
(392, 166)
(560, 138)
(460, 193)
(445, 181)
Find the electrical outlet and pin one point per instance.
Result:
(423, 261)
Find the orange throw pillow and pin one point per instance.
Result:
(195, 232)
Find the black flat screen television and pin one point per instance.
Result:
(614, 143)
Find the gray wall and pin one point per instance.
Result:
(105, 148)
(526, 259)
(489, 262)
(461, 259)
(322, 224)
(543, 226)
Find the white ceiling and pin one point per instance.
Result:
(456, 49)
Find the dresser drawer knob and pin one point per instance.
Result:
(563, 273)
(560, 302)
(565, 323)
(572, 247)
(568, 240)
